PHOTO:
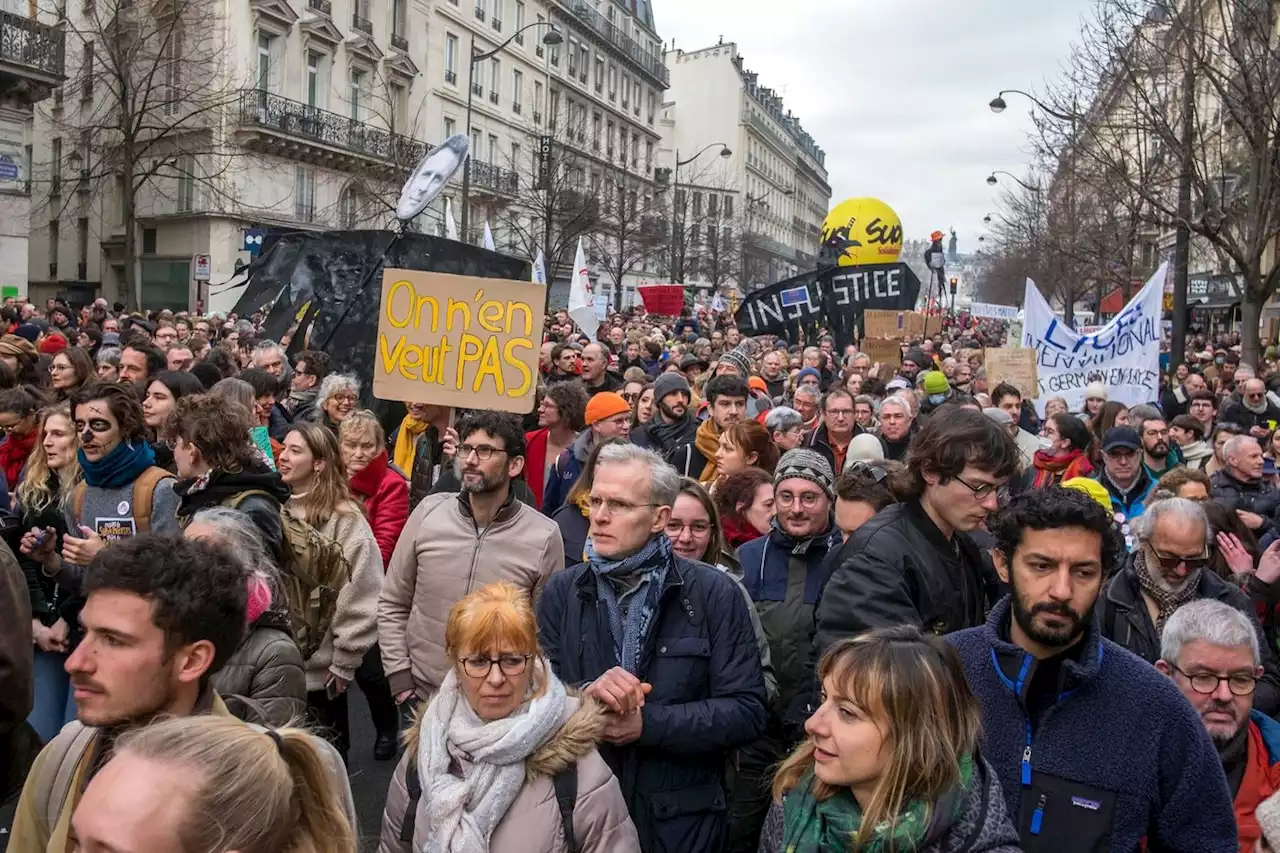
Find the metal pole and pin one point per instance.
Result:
(675, 217)
(1182, 244)
(466, 166)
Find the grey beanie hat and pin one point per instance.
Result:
(805, 464)
(740, 360)
(669, 383)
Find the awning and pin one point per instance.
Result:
(1213, 303)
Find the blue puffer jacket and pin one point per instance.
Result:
(1119, 757)
(708, 695)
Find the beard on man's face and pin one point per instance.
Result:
(474, 481)
(1069, 627)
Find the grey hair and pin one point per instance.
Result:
(335, 382)
(866, 399)
(109, 355)
(265, 347)
(898, 400)
(241, 537)
(234, 391)
(807, 391)
(244, 327)
(664, 481)
(782, 418)
(1210, 621)
(1180, 508)
(1145, 412)
(1233, 445)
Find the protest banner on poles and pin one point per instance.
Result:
(991, 311)
(454, 340)
(666, 300)
(1012, 365)
(1124, 355)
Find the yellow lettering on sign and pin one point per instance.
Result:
(490, 317)
(389, 359)
(519, 365)
(490, 367)
(396, 288)
(456, 307)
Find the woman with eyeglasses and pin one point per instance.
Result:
(311, 466)
(505, 755)
(338, 395)
(70, 370)
(18, 425)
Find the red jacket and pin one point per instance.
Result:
(535, 462)
(385, 493)
(1261, 777)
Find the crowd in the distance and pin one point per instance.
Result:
(713, 594)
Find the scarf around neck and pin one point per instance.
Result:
(707, 440)
(810, 826)
(738, 533)
(463, 810)
(407, 442)
(1166, 602)
(118, 468)
(1051, 470)
(650, 564)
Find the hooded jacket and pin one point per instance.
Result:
(224, 487)
(385, 494)
(266, 668)
(533, 823)
(566, 470)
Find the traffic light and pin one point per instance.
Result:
(954, 282)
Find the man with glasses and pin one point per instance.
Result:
(1125, 477)
(831, 437)
(915, 562)
(1156, 455)
(666, 645)
(1240, 487)
(310, 367)
(1204, 408)
(1211, 652)
(454, 544)
(1167, 571)
(1093, 748)
(1258, 415)
(784, 574)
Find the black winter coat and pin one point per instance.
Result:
(1125, 621)
(898, 569)
(708, 695)
(1255, 497)
(223, 488)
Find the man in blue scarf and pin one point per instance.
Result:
(666, 644)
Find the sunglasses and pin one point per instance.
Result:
(1172, 561)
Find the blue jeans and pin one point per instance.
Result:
(55, 702)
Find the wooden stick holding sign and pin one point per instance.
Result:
(1016, 366)
(453, 340)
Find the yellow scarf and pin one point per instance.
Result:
(407, 442)
(707, 440)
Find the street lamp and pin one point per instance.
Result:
(998, 104)
(992, 180)
(551, 39)
(675, 211)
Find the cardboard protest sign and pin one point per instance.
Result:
(454, 340)
(893, 324)
(993, 311)
(884, 351)
(1016, 366)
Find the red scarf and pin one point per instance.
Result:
(14, 451)
(738, 532)
(1052, 470)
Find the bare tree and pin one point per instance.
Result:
(631, 228)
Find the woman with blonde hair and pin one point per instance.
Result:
(505, 753)
(890, 762)
(211, 784)
(311, 466)
(373, 479)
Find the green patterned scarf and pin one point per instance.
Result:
(831, 826)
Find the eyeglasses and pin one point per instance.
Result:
(479, 666)
(5, 430)
(614, 505)
(697, 528)
(484, 452)
(1206, 683)
(1172, 561)
(340, 399)
(980, 491)
(630, 398)
(840, 413)
(808, 500)
(58, 368)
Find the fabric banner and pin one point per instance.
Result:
(665, 300)
(834, 298)
(993, 312)
(1123, 355)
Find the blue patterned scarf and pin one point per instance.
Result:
(651, 563)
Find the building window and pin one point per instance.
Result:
(613, 80)
(450, 127)
(648, 155)
(82, 247)
(584, 62)
(186, 183)
(315, 85)
(517, 90)
(554, 110)
(596, 124)
(635, 150)
(652, 102)
(400, 17)
(350, 207)
(713, 204)
(493, 149)
(697, 203)
(357, 93)
(497, 14)
(573, 56)
(451, 59)
(608, 137)
(265, 49)
(537, 98)
(304, 194)
(495, 79)
(399, 108)
(519, 16)
(515, 156)
(599, 74)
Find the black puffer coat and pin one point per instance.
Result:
(266, 669)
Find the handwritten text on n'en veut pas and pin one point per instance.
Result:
(447, 361)
(1060, 348)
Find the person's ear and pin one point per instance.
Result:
(1001, 563)
(660, 519)
(752, 458)
(515, 465)
(1167, 670)
(193, 660)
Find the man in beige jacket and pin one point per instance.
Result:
(453, 544)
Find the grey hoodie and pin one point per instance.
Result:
(109, 512)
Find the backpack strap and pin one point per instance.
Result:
(59, 769)
(77, 501)
(144, 489)
(566, 784)
(413, 784)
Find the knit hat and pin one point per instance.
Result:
(740, 360)
(53, 345)
(28, 332)
(110, 339)
(755, 383)
(863, 447)
(606, 404)
(20, 348)
(670, 383)
(935, 382)
(916, 356)
(1092, 488)
(805, 464)
(808, 371)
(1095, 390)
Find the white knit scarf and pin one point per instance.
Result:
(463, 812)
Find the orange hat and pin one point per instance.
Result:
(606, 404)
(755, 383)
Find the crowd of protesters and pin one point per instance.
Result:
(715, 594)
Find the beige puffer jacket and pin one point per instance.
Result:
(601, 823)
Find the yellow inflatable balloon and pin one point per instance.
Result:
(871, 230)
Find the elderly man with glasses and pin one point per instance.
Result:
(1168, 570)
(1255, 412)
(1211, 652)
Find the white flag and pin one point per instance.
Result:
(450, 227)
(488, 237)
(582, 304)
(540, 270)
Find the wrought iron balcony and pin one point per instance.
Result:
(324, 7)
(477, 89)
(399, 42)
(629, 47)
(364, 25)
(488, 176)
(451, 77)
(316, 135)
(493, 97)
(32, 50)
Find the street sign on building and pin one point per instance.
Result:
(203, 266)
(544, 162)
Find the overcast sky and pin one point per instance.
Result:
(896, 91)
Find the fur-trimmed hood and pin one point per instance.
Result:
(580, 732)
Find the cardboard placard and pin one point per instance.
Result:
(1016, 366)
(893, 324)
(666, 300)
(885, 351)
(455, 340)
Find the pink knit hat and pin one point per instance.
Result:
(259, 599)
